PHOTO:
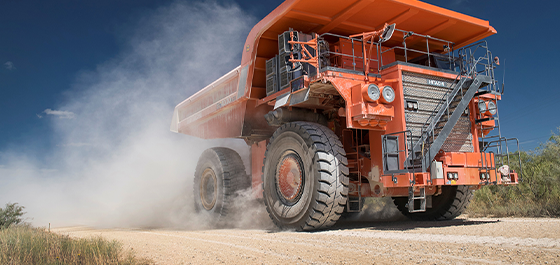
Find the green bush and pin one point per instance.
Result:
(23, 244)
(11, 215)
(537, 195)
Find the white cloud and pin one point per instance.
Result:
(63, 114)
(75, 144)
(527, 142)
(9, 65)
(39, 116)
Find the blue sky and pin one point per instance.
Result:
(47, 47)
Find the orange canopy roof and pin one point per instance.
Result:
(353, 17)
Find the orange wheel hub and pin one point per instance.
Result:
(289, 177)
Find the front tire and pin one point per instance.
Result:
(452, 202)
(305, 177)
(219, 175)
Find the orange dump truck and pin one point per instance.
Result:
(342, 100)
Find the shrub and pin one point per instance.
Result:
(11, 215)
(537, 195)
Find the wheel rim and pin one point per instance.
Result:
(208, 189)
(289, 178)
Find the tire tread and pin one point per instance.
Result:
(332, 191)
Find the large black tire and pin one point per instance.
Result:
(305, 177)
(451, 203)
(219, 175)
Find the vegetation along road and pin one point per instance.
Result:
(461, 241)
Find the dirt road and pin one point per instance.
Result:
(461, 241)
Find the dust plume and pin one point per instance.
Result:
(116, 163)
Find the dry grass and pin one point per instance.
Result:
(24, 244)
(513, 202)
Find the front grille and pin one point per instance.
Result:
(428, 91)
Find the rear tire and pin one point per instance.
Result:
(305, 177)
(219, 175)
(452, 202)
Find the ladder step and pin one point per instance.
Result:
(412, 198)
(354, 204)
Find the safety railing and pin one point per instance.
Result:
(442, 58)
(437, 52)
(477, 58)
(328, 58)
(500, 147)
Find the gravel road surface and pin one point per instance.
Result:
(461, 241)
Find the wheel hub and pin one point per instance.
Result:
(208, 189)
(289, 178)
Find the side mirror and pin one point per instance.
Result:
(387, 33)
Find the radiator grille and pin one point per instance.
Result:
(271, 65)
(428, 91)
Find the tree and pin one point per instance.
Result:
(11, 215)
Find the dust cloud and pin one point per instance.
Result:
(375, 210)
(116, 164)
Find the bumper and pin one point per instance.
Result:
(469, 169)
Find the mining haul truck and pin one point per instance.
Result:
(343, 100)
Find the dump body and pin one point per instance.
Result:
(414, 112)
(337, 17)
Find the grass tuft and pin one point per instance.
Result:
(23, 244)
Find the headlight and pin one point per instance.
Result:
(482, 107)
(492, 107)
(388, 94)
(373, 92)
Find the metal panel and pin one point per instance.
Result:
(391, 153)
(282, 100)
(214, 122)
(460, 139)
(241, 87)
(271, 85)
(271, 66)
(285, 77)
(299, 96)
(428, 91)
(436, 170)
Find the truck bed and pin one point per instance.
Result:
(229, 108)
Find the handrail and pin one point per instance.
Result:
(470, 65)
(430, 123)
(447, 48)
(500, 143)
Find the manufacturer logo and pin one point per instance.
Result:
(436, 83)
